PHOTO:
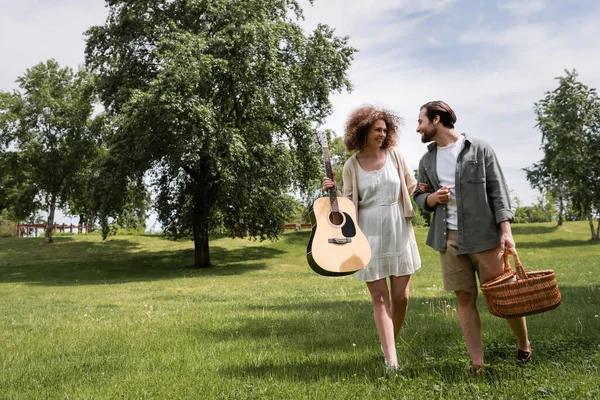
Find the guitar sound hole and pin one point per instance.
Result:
(336, 218)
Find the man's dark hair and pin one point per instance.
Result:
(438, 107)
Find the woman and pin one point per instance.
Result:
(379, 182)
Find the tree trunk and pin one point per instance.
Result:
(561, 209)
(204, 198)
(591, 222)
(50, 226)
(595, 232)
(91, 220)
(201, 250)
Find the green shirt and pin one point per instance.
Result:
(482, 198)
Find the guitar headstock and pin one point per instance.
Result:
(322, 138)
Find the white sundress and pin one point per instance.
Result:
(394, 249)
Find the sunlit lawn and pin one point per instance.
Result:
(128, 318)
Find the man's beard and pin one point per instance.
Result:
(427, 136)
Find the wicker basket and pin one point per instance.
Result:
(522, 292)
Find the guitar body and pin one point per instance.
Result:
(337, 246)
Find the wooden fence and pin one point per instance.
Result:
(32, 230)
(297, 227)
(28, 230)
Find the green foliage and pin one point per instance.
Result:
(131, 220)
(543, 211)
(85, 197)
(300, 213)
(218, 99)
(421, 218)
(570, 213)
(8, 226)
(569, 119)
(135, 210)
(18, 193)
(127, 318)
(46, 138)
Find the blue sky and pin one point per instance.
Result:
(490, 60)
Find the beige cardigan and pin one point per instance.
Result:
(351, 182)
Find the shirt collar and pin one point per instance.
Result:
(433, 145)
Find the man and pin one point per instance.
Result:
(461, 182)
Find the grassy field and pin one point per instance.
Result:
(128, 318)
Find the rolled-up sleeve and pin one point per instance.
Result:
(419, 196)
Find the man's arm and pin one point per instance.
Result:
(497, 191)
(506, 240)
(425, 200)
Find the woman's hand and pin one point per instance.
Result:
(423, 187)
(328, 183)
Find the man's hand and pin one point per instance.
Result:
(506, 240)
(441, 196)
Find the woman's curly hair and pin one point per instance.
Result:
(359, 122)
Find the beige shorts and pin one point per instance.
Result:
(458, 270)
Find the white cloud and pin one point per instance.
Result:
(513, 64)
(522, 8)
(372, 23)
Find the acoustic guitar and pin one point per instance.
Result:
(337, 246)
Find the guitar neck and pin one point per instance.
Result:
(329, 173)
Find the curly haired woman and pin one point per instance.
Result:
(379, 182)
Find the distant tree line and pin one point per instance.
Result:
(51, 149)
(543, 211)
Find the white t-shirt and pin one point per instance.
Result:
(446, 171)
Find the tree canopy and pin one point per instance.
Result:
(569, 119)
(218, 100)
(47, 135)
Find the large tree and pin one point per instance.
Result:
(218, 99)
(569, 119)
(46, 136)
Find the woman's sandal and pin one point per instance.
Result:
(523, 356)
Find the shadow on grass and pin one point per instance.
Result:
(114, 265)
(431, 345)
(121, 260)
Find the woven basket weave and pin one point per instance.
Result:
(522, 292)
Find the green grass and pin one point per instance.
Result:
(128, 318)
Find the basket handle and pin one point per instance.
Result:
(518, 266)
